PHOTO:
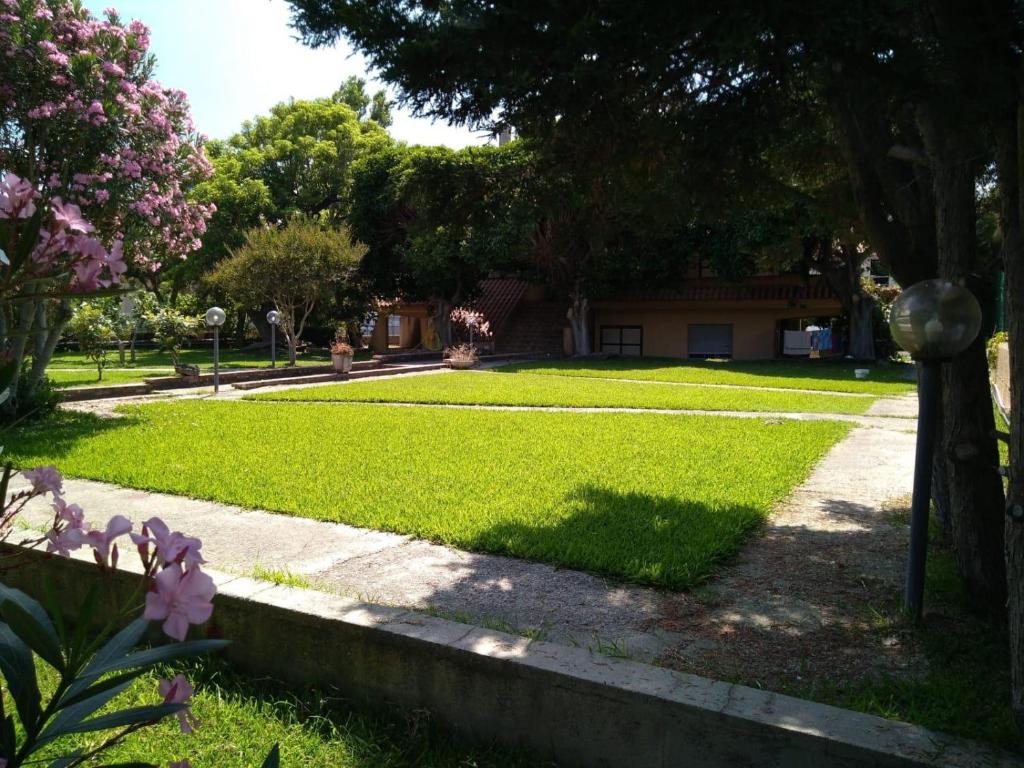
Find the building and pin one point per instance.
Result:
(702, 318)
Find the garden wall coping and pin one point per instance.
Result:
(562, 702)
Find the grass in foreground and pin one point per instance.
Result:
(241, 719)
(824, 375)
(964, 689)
(489, 388)
(647, 497)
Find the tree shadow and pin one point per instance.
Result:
(57, 435)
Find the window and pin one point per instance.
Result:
(708, 340)
(622, 340)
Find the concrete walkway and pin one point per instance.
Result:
(845, 492)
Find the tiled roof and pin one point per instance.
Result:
(497, 299)
(754, 289)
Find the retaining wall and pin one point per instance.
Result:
(562, 702)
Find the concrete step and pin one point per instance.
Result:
(366, 373)
(78, 394)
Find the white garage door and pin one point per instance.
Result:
(710, 340)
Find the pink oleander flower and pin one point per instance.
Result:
(171, 547)
(180, 598)
(69, 216)
(102, 542)
(45, 480)
(16, 197)
(179, 691)
(71, 514)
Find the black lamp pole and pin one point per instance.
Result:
(927, 412)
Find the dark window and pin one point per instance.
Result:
(622, 340)
(708, 340)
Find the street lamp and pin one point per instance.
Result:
(274, 318)
(933, 320)
(215, 318)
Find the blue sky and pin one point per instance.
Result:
(237, 58)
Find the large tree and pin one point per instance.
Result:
(293, 268)
(914, 97)
(83, 122)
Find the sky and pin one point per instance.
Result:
(237, 58)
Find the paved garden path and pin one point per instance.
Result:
(833, 523)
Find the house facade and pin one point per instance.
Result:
(702, 318)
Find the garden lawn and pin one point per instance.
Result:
(824, 375)
(73, 369)
(490, 388)
(241, 720)
(647, 497)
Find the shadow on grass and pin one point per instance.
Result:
(784, 369)
(56, 435)
(640, 537)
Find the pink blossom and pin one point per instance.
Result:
(179, 691)
(69, 216)
(180, 598)
(171, 547)
(71, 514)
(45, 480)
(102, 542)
(16, 197)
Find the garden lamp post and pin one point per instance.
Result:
(471, 324)
(274, 318)
(933, 320)
(215, 318)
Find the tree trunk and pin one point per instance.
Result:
(968, 443)
(120, 352)
(443, 321)
(862, 327)
(1009, 146)
(53, 334)
(579, 321)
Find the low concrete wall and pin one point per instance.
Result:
(1001, 376)
(561, 702)
(75, 394)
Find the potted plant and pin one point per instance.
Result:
(341, 356)
(462, 357)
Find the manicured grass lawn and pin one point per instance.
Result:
(73, 369)
(490, 388)
(648, 497)
(824, 375)
(240, 721)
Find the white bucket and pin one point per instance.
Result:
(860, 373)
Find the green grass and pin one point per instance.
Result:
(964, 688)
(824, 375)
(281, 576)
(240, 720)
(73, 369)
(490, 388)
(648, 497)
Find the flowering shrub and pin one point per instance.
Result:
(92, 670)
(472, 321)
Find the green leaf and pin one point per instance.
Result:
(110, 682)
(134, 716)
(39, 637)
(273, 759)
(69, 720)
(27, 240)
(119, 646)
(162, 654)
(65, 760)
(18, 668)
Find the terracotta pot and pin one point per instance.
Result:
(341, 363)
(461, 365)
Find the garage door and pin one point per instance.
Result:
(710, 340)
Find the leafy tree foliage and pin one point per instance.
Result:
(294, 268)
